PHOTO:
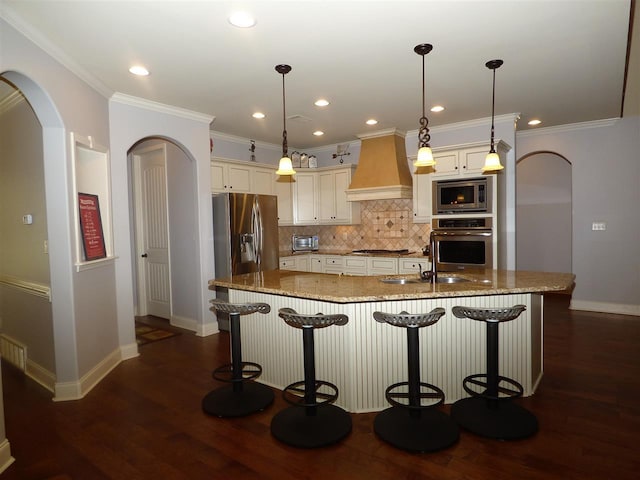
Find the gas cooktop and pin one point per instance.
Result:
(381, 251)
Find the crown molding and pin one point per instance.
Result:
(32, 34)
(138, 102)
(570, 127)
(242, 140)
(478, 122)
(382, 133)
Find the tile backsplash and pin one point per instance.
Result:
(386, 224)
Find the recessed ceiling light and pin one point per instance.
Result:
(534, 122)
(371, 121)
(139, 70)
(321, 103)
(258, 115)
(437, 108)
(242, 20)
(318, 133)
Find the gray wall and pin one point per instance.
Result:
(543, 211)
(605, 174)
(24, 317)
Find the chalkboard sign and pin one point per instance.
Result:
(91, 226)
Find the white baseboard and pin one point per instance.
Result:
(129, 351)
(183, 322)
(5, 455)
(76, 390)
(41, 375)
(604, 307)
(201, 330)
(207, 329)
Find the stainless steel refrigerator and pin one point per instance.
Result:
(245, 236)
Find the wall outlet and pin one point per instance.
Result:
(598, 226)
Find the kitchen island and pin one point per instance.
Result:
(364, 357)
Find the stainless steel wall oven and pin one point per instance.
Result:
(463, 243)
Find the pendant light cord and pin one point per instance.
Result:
(284, 121)
(493, 106)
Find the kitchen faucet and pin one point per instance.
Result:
(431, 275)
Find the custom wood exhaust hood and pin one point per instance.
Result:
(383, 170)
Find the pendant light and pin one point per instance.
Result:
(492, 161)
(425, 155)
(284, 167)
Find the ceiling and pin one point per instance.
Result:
(564, 61)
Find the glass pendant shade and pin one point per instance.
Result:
(492, 163)
(285, 167)
(425, 158)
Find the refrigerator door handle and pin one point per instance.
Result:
(257, 232)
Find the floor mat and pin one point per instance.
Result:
(148, 334)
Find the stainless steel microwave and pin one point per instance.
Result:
(466, 196)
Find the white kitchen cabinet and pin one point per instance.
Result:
(382, 266)
(230, 177)
(410, 265)
(315, 263)
(333, 207)
(446, 164)
(305, 199)
(262, 181)
(299, 263)
(333, 264)
(422, 196)
(465, 160)
(354, 265)
(283, 189)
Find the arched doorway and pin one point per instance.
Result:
(172, 215)
(55, 351)
(543, 213)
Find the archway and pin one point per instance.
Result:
(181, 207)
(543, 212)
(58, 233)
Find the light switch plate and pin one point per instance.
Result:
(598, 226)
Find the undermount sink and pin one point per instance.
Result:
(400, 281)
(452, 280)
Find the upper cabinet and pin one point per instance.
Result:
(262, 181)
(230, 177)
(283, 189)
(461, 162)
(319, 197)
(305, 198)
(333, 207)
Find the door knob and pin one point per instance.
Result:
(144, 255)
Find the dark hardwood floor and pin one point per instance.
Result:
(144, 420)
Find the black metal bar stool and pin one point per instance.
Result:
(243, 396)
(490, 411)
(312, 421)
(413, 422)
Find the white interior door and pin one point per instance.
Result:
(152, 236)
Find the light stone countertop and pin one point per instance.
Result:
(416, 254)
(355, 289)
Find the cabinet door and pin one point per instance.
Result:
(283, 188)
(239, 178)
(262, 181)
(446, 164)
(217, 178)
(382, 266)
(302, 263)
(315, 262)
(472, 160)
(326, 197)
(344, 211)
(422, 197)
(305, 199)
(287, 263)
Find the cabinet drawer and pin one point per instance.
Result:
(382, 266)
(355, 265)
(288, 263)
(410, 265)
(330, 261)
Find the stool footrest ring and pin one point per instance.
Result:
(294, 394)
(504, 392)
(399, 391)
(249, 371)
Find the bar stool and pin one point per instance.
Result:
(412, 422)
(489, 411)
(311, 421)
(242, 396)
